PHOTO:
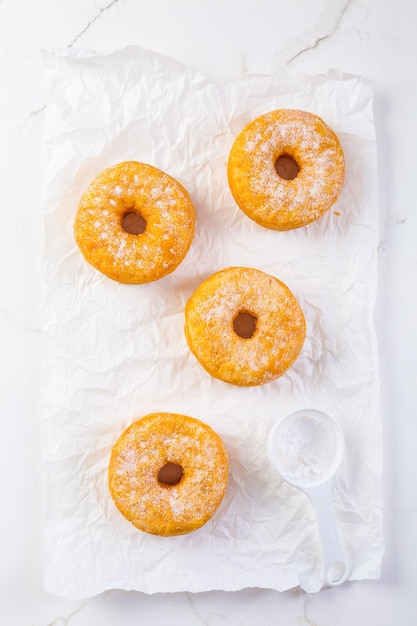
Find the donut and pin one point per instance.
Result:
(134, 223)
(245, 327)
(286, 169)
(168, 473)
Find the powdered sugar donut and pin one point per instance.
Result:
(168, 473)
(135, 223)
(244, 326)
(286, 169)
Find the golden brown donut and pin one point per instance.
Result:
(286, 169)
(244, 326)
(135, 223)
(168, 473)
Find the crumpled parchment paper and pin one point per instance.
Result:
(117, 352)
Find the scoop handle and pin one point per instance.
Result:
(336, 565)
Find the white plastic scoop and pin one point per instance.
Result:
(306, 448)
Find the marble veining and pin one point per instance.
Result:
(66, 621)
(328, 25)
(92, 21)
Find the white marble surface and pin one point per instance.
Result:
(223, 40)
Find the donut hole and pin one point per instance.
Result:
(133, 223)
(170, 474)
(244, 324)
(286, 167)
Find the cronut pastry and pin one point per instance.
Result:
(244, 326)
(286, 168)
(135, 223)
(168, 473)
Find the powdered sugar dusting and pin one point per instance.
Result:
(129, 460)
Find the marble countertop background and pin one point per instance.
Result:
(223, 40)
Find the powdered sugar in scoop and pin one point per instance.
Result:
(305, 447)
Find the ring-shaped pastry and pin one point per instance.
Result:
(245, 327)
(168, 473)
(286, 168)
(135, 223)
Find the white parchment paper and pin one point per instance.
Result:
(116, 352)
